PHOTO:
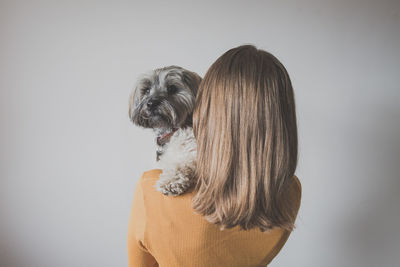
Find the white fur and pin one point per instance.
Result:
(178, 163)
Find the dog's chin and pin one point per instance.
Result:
(158, 121)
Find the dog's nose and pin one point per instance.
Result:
(153, 102)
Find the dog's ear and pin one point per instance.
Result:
(131, 104)
(134, 101)
(135, 97)
(192, 80)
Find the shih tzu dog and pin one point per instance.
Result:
(163, 99)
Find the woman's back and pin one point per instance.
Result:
(165, 231)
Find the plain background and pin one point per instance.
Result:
(70, 157)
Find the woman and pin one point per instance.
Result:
(246, 199)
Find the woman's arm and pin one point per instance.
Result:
(138, 255)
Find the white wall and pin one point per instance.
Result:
(70, 156)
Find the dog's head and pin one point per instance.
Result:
(164, 98)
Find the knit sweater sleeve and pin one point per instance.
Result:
(138, 254)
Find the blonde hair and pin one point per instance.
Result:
(244, 122)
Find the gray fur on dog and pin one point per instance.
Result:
(163, 99)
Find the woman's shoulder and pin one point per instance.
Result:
(151, 174)
(147, 180)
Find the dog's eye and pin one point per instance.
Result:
(146, 90)
(172, 89)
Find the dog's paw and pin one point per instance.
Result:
(172, 188)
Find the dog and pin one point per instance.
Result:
(163, 100)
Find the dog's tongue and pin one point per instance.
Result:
(164, 137)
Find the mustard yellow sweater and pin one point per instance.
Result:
(164, 231)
